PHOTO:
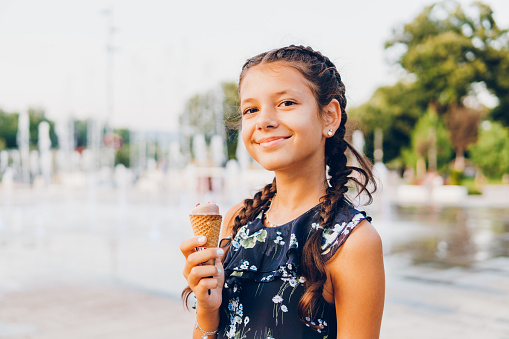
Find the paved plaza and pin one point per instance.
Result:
(421, 303)
(94, 267)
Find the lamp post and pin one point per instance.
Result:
(110, 49)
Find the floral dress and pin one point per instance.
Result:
(263, 282)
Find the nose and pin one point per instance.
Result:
(267, 118)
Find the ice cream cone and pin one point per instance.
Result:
(207, 225)
(206, 220)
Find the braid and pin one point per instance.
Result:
(253, 206)
(313, 264)
(326, 84)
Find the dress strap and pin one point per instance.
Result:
(334, 237)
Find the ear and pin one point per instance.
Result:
(332, 118)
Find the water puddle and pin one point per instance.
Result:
(452, 236)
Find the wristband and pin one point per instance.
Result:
(205, 333)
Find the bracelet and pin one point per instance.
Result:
(205, 333)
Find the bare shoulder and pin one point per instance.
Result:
(357, 277)
(362, 249)
(363, 241)
(228, 219)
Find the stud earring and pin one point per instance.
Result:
(329, 133)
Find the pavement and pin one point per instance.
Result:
(421, 302)
(97, 266)
(88, 310)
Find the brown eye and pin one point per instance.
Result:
(249, 110)
(287, 103)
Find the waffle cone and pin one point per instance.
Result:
(207, 225)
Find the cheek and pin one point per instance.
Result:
(245, 133)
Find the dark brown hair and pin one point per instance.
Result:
(326, 85)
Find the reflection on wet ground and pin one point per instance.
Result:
(453, 236)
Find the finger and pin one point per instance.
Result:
(197, 258)
(205, 285)
(204, 255)
(188, 246)
(199, 273)
(219, 265)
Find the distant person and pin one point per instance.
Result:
(300, 261)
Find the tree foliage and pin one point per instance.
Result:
(9, 128)
(203, 114)
(81, 133)
(207, 113)
(231, 116)
(447, 50)
(491, 152)
(462, 123)
(395, 109)
(36, 116)
(429, 135)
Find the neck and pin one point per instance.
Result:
(297, 192)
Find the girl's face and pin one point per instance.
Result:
(281, 124)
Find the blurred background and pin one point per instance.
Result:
(112, 127)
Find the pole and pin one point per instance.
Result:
(110, 109)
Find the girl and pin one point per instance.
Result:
(289, 271)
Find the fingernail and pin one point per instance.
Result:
(220, 251)
(219, 271)
(202, 239)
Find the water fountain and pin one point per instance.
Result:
(379, 167)
(15, 167)
(176, 158)
(93, 145)
(4, 161)
(65, 134)
(200, 150)
(243, 156)
(46, 161)
(217, 151)
(35, 169)
(358, 141)
(23, 138)
(232, 182)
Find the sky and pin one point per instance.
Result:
(53, 53)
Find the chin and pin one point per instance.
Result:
(272, 164)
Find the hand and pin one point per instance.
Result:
(206, 281)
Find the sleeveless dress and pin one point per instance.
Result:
(263, 281)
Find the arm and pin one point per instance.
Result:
(229, 217)
(357, 274)
(202, 279)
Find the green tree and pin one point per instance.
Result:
(80, 133)
(447, 51)
(395, 109)
(122, 140)
(430, 144)
(36, 116)
(491, 152)
(124, 135)
(231, 116)
(122, 155)
(462, 124)
(202, 113)
(8, 129)
(207, 113)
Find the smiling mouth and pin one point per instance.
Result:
(271, 142)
